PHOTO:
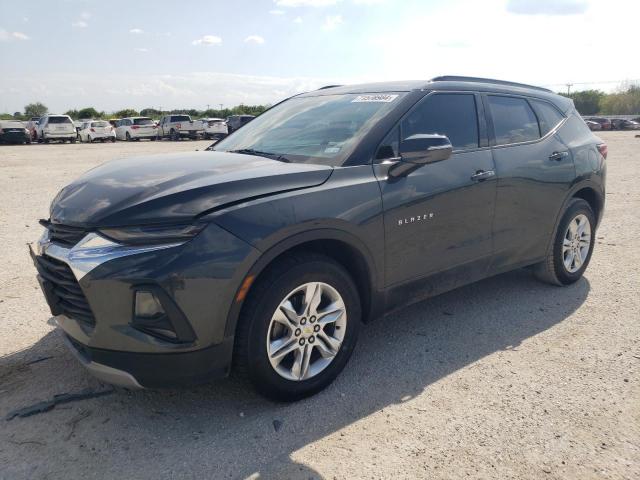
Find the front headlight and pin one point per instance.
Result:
(152, 234)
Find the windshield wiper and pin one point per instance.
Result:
(259, 153)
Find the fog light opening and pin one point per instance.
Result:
(147, 305)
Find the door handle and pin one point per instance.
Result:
(557, 156)
(482, 175)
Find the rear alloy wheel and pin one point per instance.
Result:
(298, 327)
(572, 247)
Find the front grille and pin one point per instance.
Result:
(66, 295)
(64, 234)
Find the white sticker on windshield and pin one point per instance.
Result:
(381, 97)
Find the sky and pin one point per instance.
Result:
(113, 54)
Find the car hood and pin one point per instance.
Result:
(175, 187)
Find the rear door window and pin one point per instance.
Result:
(513, 120)
(548, 115)
(450, 114)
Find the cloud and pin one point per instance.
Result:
(297, 20)
(6, 36)
(136, 31)
(332, 21)
(208, 40)
(277, 12)
(305, 3)
(141, 49)
(85, 15)
(257, 39)
(80, 24)
(547, 7)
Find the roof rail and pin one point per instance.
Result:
(329, 86)
(456, 78)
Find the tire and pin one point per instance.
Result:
(72, 140)
(127, 137)
(174, 136)
(113, 139)
(554, 268)
(153, 139)
(256, 326)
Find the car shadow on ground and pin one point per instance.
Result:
(234, 433)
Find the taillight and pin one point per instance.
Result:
(178, 126)
(155, 126)
(135, 127)
(93, 130)
(603, 149)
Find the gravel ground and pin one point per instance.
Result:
(507, 378)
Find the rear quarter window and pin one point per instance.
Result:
(548, 115)
(513, 120)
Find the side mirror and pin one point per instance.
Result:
(418, 150)
(421, 149)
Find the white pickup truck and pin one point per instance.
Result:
(180, 126)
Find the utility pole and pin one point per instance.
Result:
(207, 106)
(569, 85)
(221, 106)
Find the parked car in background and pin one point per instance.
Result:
(93, 130)
(113, 122)
(56, 127)
(180, 126)
(215, 128)
(32, 126)
(605, 123)
(330, 209)
(136, 128)
(234, 122)
(593, 126)
(13, 131)
(622, 124)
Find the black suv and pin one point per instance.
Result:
(330, 209)
(234, 122)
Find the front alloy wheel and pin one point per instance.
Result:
(298, 327)
(306, 331)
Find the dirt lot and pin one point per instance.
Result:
(507, 378)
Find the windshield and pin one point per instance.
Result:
(323, 129)
(59, 120)
(142, 121)
(100, 124)
(180, 118)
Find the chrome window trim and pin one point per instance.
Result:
(92, 251)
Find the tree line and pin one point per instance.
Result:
(39, 109)
(625, 101)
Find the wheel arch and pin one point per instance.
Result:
(344, 248)
(587, 191)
